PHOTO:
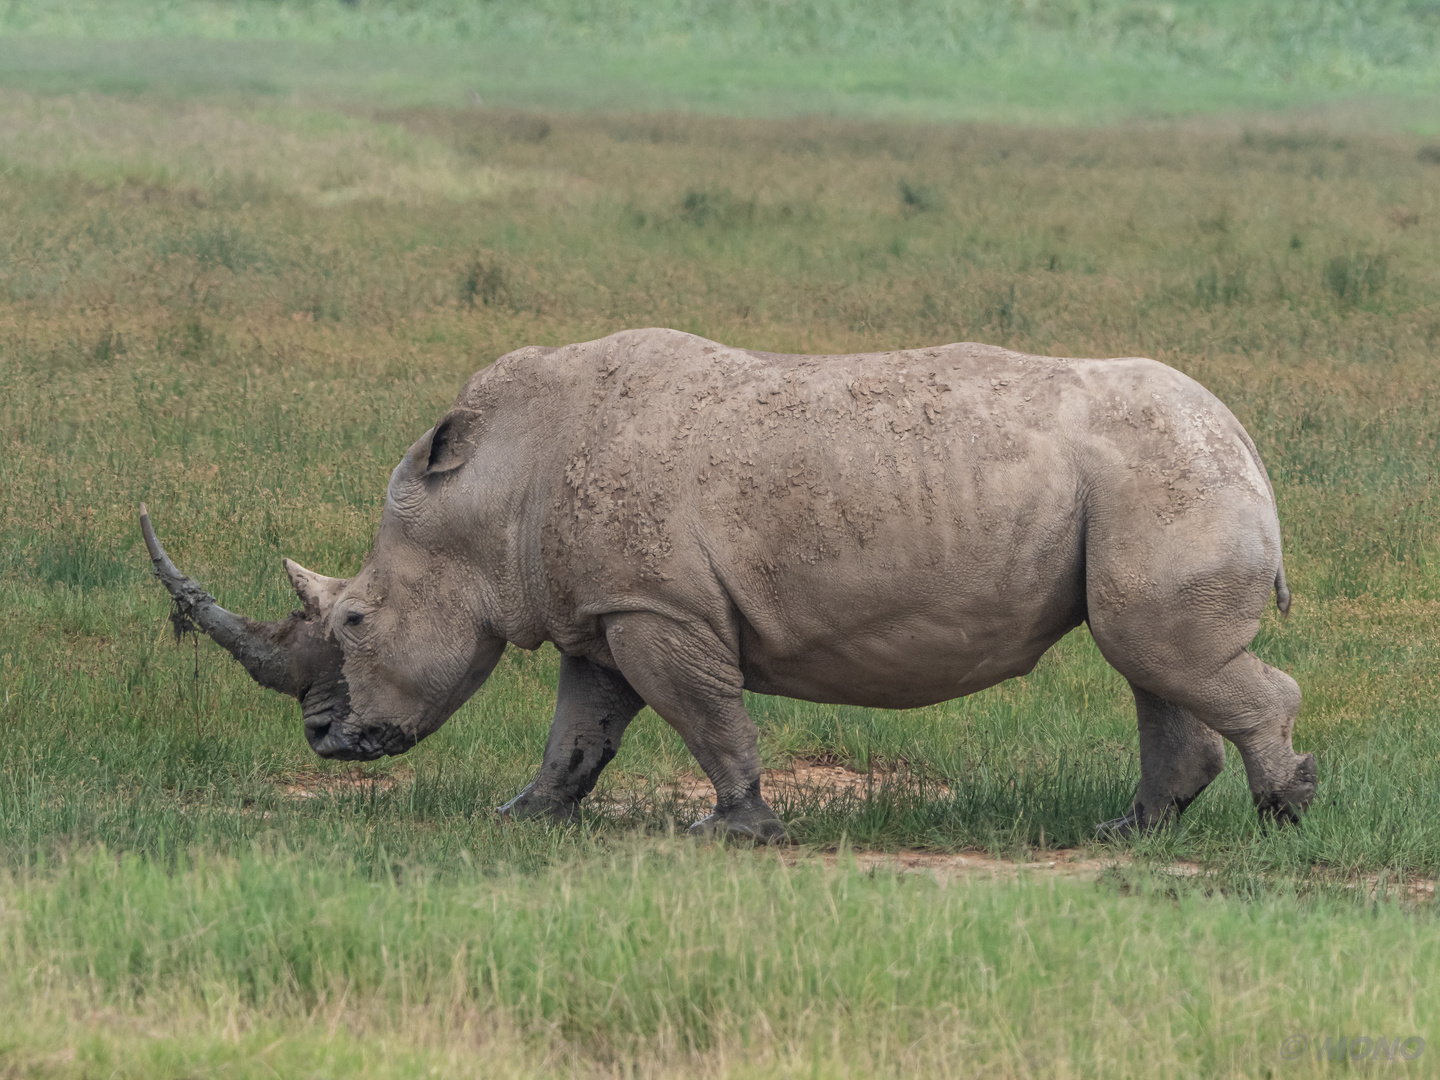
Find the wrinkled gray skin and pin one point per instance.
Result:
(686, 521)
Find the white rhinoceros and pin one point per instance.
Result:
(686, 521)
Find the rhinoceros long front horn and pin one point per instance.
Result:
(288, 656)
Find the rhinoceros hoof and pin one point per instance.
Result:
(1120, 828)
(526, 806)
(758, 824)
(1285, 805)
(1139, 821)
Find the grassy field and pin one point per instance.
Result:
(241, 305)
(1049, 61)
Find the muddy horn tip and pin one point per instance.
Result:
(253, 644)
(152, 543)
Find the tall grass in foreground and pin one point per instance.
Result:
(664, 957)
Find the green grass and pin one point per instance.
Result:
(660, 957)
(242, 309)
(1019, 60)
(250, 352)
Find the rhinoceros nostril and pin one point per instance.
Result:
(316, 732)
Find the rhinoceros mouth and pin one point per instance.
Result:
(334, 731)
(341, 736)
(340, 742)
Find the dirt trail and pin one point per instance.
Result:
(811, 782)
(1078, 864)
(348, 782)
(1065, 863)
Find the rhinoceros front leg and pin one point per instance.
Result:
(1179, 756)
(592, 710)
(688, 676)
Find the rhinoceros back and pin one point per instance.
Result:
(914, 523)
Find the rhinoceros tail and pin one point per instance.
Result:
(1282, 593)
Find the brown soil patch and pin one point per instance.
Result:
(802, 781)
(313, 785)
(1074, 863)
(1068, 863)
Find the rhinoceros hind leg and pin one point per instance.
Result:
(691, 679)
(1254, 706)
(1186, 644)
(593, 707)
(1285, 803)
(1179, 757)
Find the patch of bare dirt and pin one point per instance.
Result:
(1078, 864)
(810, 782)
(1068, 863)
(314, 785)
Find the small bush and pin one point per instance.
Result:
(1003, 312)
(186, 337)
(1220, 287)
(718, 207)
(1356, 277)
(485, 282)
(1291, 141)
(526, 128)
(919, 198)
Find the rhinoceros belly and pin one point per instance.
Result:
(902, 642)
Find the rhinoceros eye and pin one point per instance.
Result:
(355, 618)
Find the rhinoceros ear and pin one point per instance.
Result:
(451, 440)
(316, 591)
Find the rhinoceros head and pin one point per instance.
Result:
(380, 660)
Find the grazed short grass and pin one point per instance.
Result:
(244, 313)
